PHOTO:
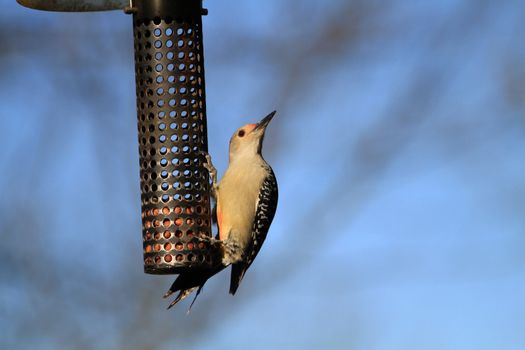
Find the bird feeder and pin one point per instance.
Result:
(172, 131)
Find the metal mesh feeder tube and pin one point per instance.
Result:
(171, 111)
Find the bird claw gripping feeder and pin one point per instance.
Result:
(171, 111)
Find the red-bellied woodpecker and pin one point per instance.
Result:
(246, 202)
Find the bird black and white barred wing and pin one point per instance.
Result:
(266, 207)
(265, 211)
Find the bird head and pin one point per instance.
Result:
(248, 139)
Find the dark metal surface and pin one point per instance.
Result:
(171, 114)
(75, 5)
(181, 10)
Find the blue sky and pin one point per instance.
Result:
(398, 147)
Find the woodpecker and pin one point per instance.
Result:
(246, 200)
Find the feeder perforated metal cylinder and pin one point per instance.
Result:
(171, 112)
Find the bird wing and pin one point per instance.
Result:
(264, 213)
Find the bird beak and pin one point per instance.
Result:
(264, 123)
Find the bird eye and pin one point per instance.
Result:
(241, 133)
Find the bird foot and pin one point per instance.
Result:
(213, 173)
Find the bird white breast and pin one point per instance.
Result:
(237, 198)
